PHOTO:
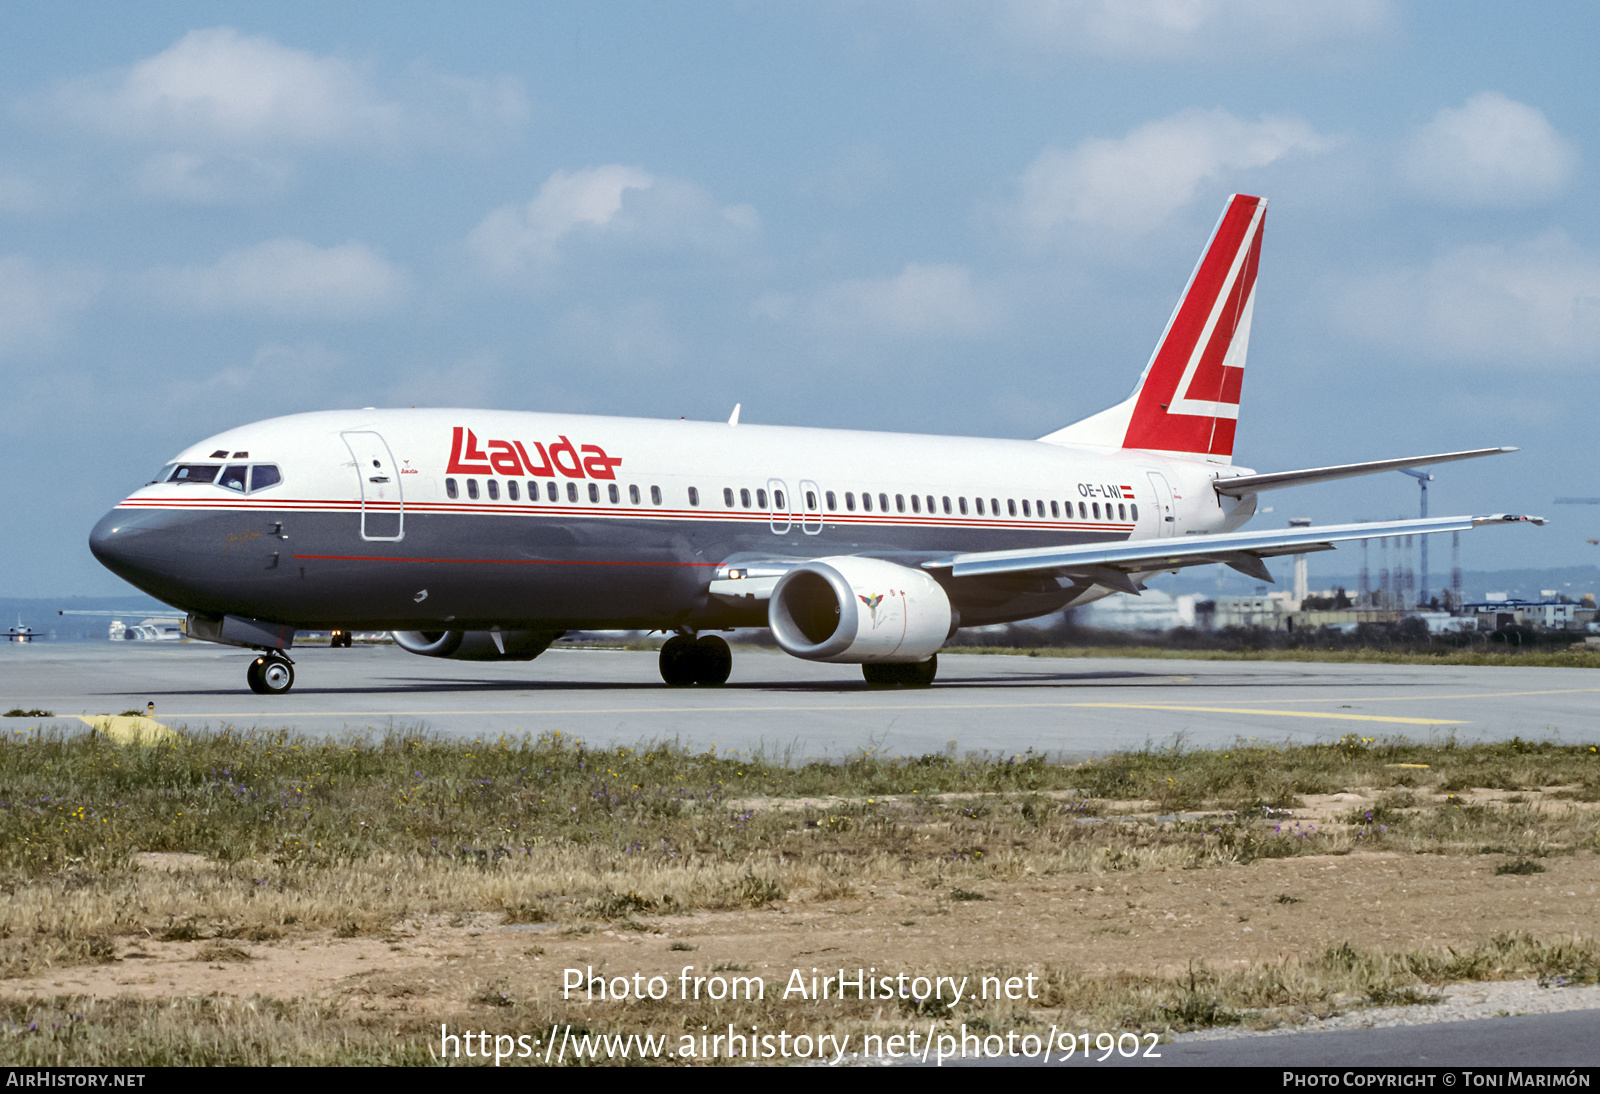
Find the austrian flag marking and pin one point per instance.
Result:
(511, 458)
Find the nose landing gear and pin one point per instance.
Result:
(705, 660)
(270, 674)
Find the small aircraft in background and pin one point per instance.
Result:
(19, 633)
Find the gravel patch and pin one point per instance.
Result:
(1462, 1002)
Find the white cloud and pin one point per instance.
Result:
(613, 202)
(35, 301)
(220, 87)
(225, 112)
(286, 279)
(1533, 303)
(1133, 183)
(921, 301)
(1492, 151)
(1183, 28)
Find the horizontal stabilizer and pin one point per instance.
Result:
(1239, 485)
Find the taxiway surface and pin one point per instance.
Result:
(800, 710)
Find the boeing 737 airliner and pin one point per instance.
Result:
(485, 535)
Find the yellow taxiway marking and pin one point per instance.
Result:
(1416, 698)
(1282, 713)
(569, 711)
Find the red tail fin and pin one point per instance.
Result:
(1187, 401)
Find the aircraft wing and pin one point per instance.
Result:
(1114, 564)
(1239, 485)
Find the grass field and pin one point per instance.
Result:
(294, 839)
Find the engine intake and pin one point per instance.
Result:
(477, 645)
(853, 610)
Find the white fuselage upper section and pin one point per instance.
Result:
(841, 477)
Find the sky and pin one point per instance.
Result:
(930, 217)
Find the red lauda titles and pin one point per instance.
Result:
(511, 459)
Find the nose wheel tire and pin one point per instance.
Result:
(706, 661)
(884, 674)
(270, 676)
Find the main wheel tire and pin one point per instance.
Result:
(921, 674)
(270, 676)
(713, 661)
(678, 661)
(899, 674)
(881, 675)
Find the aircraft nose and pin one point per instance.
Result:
(132, 545)
(110, 542)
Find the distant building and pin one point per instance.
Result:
(1151, 610)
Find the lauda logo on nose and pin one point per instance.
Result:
(511, 459)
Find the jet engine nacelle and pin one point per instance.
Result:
(854, 610)
(477, 645)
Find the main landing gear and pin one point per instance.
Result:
(705, 660)
(271, 674)
(888, 674)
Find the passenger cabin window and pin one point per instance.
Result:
(883, 503)
(833, 503)
(615, 494)
(727, 496)
(450, 490)
(866, 503)
(849, 501)
(916, 504)
(930, 503)
(899, 503)
(777, 500)
(744, 498)
(961, 503)
(594, 493)
(1011, 506)
(979, 503)
(633, 494)
(761, 499)
(472, 489)
(572, 491)
(551, 492)
(1025, 508)
(511, 489)
(694, 496)
(655, 495)
(1095, 509)
(1134, 509)
(494, 489)
(1055, 511)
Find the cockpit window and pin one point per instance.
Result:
(195, 472)
(242, 477)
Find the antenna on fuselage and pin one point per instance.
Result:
(733, 419)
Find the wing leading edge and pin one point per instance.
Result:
(1114, 564)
